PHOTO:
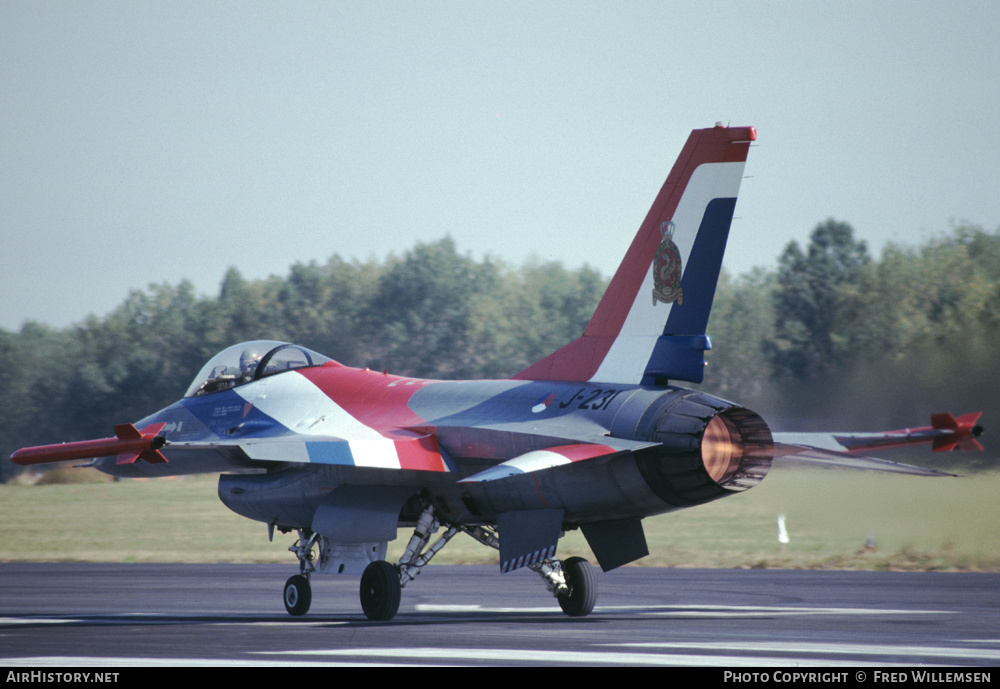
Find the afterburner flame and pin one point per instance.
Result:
(721, 449)
(736, 449)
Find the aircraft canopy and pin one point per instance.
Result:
(250, 361)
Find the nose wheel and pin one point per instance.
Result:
(298, 595)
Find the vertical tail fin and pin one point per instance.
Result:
(650, 325)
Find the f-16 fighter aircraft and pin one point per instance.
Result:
(595, 436)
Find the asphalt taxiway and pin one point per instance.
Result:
(114, 615)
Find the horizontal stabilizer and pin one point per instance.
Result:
(844, 449)
(804, 454)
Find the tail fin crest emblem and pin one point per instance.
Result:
(667, 268)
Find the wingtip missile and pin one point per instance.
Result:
(961, 432)
(945, 433)
(129, 445)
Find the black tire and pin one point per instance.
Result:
(298, 595)
(582, 582)
(380, 591)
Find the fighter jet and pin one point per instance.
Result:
(596, 436)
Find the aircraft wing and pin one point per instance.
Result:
(845, 449)
(405, 450)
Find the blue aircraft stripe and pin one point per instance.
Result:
(679, 354)
(230, 416)
(701, 274)
(330, 452)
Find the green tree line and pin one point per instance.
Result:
(835, 339)
(830, 331)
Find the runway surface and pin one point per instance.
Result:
(105, 615)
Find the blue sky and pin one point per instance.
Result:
(149, 142)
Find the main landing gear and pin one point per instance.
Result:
(572, 581)
(381, 591)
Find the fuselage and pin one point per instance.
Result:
(305, 432)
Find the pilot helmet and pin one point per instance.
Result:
(248, 361)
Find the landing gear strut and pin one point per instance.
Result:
(298, 591)
(382, 583)
(572, 581)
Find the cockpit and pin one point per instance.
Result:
(250, 361)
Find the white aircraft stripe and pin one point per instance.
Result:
(295, 402)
